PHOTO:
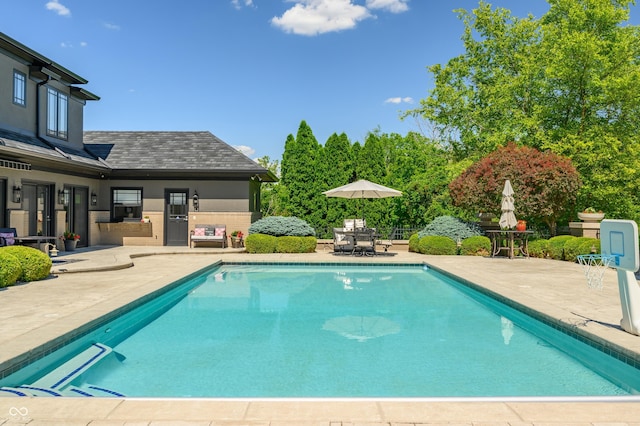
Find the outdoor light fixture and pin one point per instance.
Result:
(196, 201)
(17, 194)
(60, 196)
(94, 198)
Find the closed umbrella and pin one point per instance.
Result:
(508, 218)
(362, 189)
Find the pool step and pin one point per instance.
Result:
(70, 370)
(58, 381)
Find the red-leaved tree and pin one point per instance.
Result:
(544, 184)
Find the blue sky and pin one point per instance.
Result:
(249, 71)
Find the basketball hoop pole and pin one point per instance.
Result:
(630, 301)
(619, 238)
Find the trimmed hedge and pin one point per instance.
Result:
(288, 244)
(10, 269)
(436, 244)
(414, 241)
(35, 264)
(260, 243)
(476, 246)
(556, 246)
(539, 248)
(580, 245)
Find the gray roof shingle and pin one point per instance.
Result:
(161, 152)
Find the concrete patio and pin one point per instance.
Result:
(91, 283)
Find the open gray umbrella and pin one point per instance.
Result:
(362, 189)
(362, 328)
(508, 218)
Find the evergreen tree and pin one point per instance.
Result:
(301, 177)
(337, 164)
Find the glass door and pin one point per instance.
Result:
(37, 202)
(76, 206)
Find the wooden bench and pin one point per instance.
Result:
(8, 236)
(209, 233)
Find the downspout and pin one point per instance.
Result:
(42, 83)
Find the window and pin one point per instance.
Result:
(19, 88)
(57, 103)
(126, 204)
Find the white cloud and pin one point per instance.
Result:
(393, 6)
(246, 150)
(313, 17)
(399, 100)
(111, 26)
(83, 44)
(57, 7)
(238, 3)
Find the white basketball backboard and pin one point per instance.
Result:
(619, 238)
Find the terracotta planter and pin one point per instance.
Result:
(70, 245)
(590, 217)
(521, 225)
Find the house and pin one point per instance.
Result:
(128, 188)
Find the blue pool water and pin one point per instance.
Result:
(343, 331)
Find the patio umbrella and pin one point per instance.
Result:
(362, 189)
(508, 218)
(361, 328)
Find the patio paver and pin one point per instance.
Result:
(35, 313)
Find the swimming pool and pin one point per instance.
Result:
(339, 331)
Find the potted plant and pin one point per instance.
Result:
(236, 239)
(591, 215)
(146, 219)
(70, 240)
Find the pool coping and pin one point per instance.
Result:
(619, 352)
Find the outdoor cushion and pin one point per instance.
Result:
(8, 238)
(198, 232)
(220, 232)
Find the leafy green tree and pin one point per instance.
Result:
(544, 184)
(269, 191)
(567, 82)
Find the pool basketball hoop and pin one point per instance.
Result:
(619, 247)
(594, 266)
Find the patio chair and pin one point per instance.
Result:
(353, 224)
(386, 243)
(364, 242)
(342, 243)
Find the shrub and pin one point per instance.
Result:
(280, 226)
(10, 269)
(452, 227)
(556, 246)
(539, 248)
(476, 246)
(289, 244)
(35, 264)
(260, 243)
(578, 246)
(437, 244)
(413, 243)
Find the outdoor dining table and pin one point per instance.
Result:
(373, 235)
(506, 240)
